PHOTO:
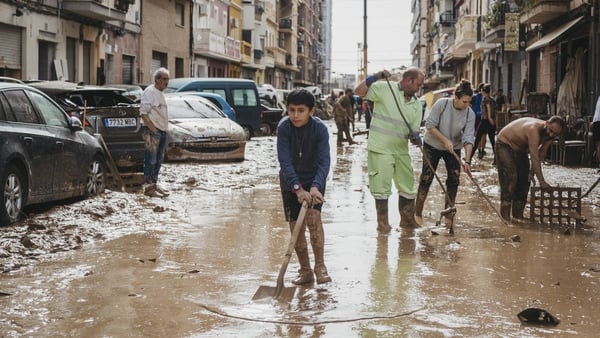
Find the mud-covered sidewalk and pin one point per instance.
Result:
(124, 264)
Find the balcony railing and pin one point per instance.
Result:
(542, 11)
(466, 32)
(96, 9)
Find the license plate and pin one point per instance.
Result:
(120, 122)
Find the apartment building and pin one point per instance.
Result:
(526, 47)
(124, 41)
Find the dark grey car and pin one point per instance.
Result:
(108, 113)
(45, 155)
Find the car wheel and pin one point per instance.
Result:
(14, 188)
(248, 133)
(266, 129)
(96, 180)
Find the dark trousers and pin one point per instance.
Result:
(343, 127)
(485, 127)
(513, 174)
(452, 167)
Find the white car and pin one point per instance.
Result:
(199, 131)
(266, 91)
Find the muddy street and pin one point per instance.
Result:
(124, 264)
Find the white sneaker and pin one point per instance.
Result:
(160, 190)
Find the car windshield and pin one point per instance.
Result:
(184, 108)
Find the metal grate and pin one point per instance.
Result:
(555, 205)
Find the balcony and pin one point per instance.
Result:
(213, 45)
(269, 58)
(454, 55)
(495, 22)
(495, 35)
(542, 11)
(94, 9)
(466, 33)
(285, 25)
(247, 56)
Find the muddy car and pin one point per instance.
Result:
(106, 111)
(45, 155)
(199, 131)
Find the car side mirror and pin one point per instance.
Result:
(75, 123)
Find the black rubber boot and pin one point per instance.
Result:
(505, 207)
(517, 209)
(383, 224)
(407, 212)
(419, 203)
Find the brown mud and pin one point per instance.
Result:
(124, 264)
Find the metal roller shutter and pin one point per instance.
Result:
(10, 47)
(127, 69)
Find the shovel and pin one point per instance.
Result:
(287, 293)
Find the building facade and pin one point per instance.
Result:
(123, 41)
(529, 48)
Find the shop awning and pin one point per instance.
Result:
(549, 38)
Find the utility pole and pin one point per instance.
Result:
(365, 60)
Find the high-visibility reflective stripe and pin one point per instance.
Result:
(396, 133)
(381, 117)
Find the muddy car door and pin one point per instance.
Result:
(34, 140)
(69, 170)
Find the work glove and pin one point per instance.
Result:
(382, 74)
(415, 138)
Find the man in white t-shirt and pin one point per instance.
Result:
(154, 114)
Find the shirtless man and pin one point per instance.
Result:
(514, 142)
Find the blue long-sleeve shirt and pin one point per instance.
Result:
(303, 154)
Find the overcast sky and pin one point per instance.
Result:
(388, 34)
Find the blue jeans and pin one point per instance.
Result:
(155, 144)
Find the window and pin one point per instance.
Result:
(52, 114)
(21, 107)
(244, 97)
(179, 14)
(2, 113)
(220, 92)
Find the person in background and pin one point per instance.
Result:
(396, 120)
(450, 127)
(154, 114)
(596, 130)
(331, 102)
(342, 112)
(359, 108)
(523, 136)
(304, 159)
(476, 106)
(500, 98)
(368, 111)
(487, 125)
